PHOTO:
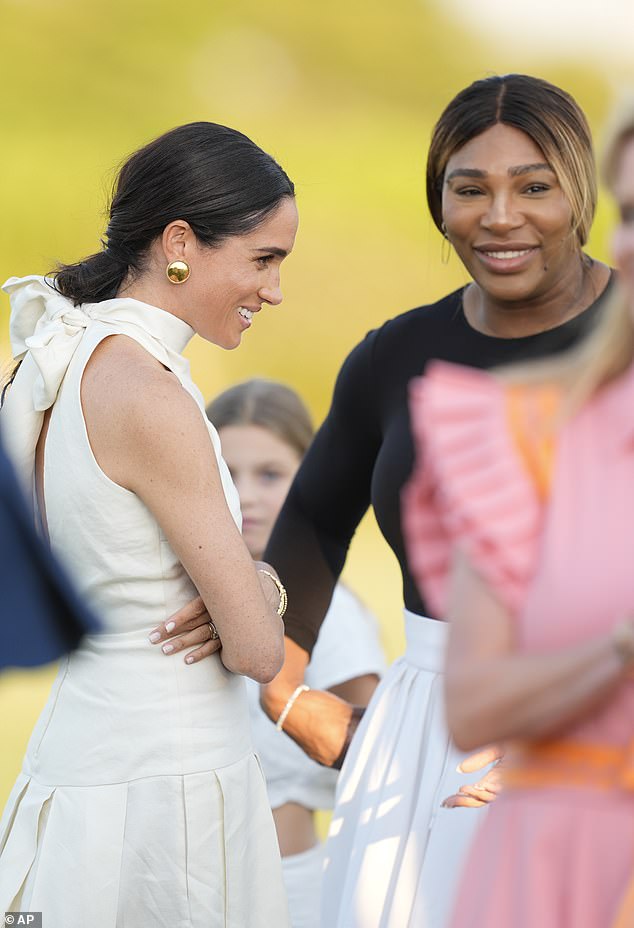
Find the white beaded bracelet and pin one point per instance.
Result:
(289, 705)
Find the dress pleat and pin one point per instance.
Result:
(393, 853)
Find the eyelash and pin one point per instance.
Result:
(539, 188)
(475, 191)
(264, 260)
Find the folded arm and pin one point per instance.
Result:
(149, 435)
(495, 693)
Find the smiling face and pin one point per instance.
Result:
(229, 283)
(507, 217)
(262, 467)
(623, 188)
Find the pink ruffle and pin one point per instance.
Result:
(469, 487)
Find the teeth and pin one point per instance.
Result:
(507, 254)
(246, 313)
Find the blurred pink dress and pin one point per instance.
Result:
(547, 518)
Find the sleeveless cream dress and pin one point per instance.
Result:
(141, 803)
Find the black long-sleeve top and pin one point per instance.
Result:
(363, 453)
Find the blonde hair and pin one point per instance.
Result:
(268, 404)
(609, 349)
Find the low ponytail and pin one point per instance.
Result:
(92, 280)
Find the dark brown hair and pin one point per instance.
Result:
(213, 177)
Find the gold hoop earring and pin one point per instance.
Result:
(445, 251)
(178, 272)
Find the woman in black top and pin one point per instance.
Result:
(511, 184)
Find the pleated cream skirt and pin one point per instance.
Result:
(191, 851)
(131, 816)
(393, 855)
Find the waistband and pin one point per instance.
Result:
(313, 857)
(426, 642)
(572, 763)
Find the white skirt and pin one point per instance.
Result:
(303, 878)
(129, 816)
(393, 855)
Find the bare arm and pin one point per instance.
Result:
(320, 722)
(150, 437)
(494, 693)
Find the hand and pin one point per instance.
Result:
(474, 795)
(185, 629)
(322, 724)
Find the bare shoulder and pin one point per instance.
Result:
(122, 377)
(118, 368)
(136, 410)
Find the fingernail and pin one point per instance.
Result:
(189, 660)
(168, 648)
(458, 768)
(154, 637)
(170, 626)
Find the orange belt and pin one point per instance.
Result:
(575, 763)
(572, 763)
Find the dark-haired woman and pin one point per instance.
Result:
(525, 496)
(511, 184)
(115, 821)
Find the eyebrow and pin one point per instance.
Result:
(515, 171)
(273, 250)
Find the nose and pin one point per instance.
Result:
(271, 292)
(246, 490)
(502, 214)
(271, 295)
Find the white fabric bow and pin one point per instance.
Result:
(50, 327)
(46, 329)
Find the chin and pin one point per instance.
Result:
(511, 289)
(225, 343)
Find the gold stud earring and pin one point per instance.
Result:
(178, 271)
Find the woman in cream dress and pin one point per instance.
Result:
(141, 802)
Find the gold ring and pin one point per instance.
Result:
(213, 631)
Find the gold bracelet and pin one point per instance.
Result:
(283, 603)
(623, 641)
(302, 688)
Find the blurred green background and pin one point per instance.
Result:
(344, 94)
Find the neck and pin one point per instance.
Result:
(152, 290)
(571, 294)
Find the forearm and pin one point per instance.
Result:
(321, 723)
(530, 696)
(275, 694)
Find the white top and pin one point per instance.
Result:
(121, 688)
(348, 646)
(140, 800)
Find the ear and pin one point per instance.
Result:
(177, 239)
